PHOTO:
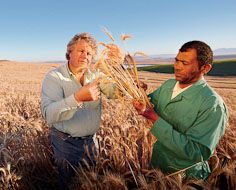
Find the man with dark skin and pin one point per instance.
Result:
(188, 116)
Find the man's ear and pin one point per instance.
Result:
(206, 68)
(68, 56)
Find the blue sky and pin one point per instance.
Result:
(40, 30)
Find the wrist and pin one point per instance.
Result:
(154, 118)
(150, 114)
(77, 97)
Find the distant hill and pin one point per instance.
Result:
(56, 61)
(219, 54)
(225, 51)
(225, 57)
(3, 60)
(220, 68)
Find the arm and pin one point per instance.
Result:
(200, 140)
(55, 107)
(147, 112)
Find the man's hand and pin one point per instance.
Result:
(89, 92)
(143, 85)
(147, 112)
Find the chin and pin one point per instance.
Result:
(83, 65)
(181, 81)
(178, 78)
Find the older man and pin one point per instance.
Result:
(71, 105)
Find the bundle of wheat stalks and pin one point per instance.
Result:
(121, 68)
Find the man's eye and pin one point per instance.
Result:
(89, 53)
(185, 62)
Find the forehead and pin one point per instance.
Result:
(83, 45)
(190, 54)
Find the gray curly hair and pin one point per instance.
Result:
(81, 36)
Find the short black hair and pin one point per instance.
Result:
(204, 52)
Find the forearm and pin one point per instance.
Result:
(62, 110)
(151, 115)
(181, 145)
(147, 112)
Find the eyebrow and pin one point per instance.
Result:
(176, 59)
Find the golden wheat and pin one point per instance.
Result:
(111, 62)
(124, 150)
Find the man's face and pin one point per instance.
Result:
(186, 67)
(81, 56)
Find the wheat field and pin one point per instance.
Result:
(125, 144)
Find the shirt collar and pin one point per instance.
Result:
(193, 90)
(201, 81)
(68, 69)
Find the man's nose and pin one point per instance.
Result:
(84, 54)
(177, 64)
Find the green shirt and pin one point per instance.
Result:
(188, 128)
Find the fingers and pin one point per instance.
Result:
(137, 104)
(143, 85)
(95, 93)
(139, 107)
(89, 92)
(94, 90)
(94, 83)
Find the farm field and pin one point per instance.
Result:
(220, 68)
(125, 143)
